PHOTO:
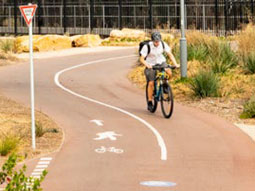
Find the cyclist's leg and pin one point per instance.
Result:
(150, 77)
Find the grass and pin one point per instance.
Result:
(39, 130)
(249, 109)
(16, 119)
(199, 52)
(7, 45)
(8, 144)
(249, 64)
(205, 84)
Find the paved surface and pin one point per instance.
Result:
(248, 129)
(204, 152)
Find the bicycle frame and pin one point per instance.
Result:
(158, 82)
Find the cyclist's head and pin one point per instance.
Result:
(156, 38)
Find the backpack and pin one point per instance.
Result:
(146, 42)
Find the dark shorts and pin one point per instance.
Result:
(151, 74)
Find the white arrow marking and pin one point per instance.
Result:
(97, 122)
(107, 135)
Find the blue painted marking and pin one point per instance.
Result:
(158, 184)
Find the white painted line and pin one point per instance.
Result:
(160, 140)
(38, 170)
(158, 184)
(41, 166)
(36, 173)
(44, 162)
(49, 158)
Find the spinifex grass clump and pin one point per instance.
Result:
(249, 109)
(6, 45)
(198, 52)
(8, 144)
(249, 63)
(221, 58)
(205, 84)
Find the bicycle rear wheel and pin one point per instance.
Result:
(154, 100)
(167, 100)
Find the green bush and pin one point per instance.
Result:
(205, 84)
(249, 109)
(249, 63)
(17, 180)
(222, 58)
(198, 52)
(8, 144)
(6, 45)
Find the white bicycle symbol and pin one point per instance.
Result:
(110, 149)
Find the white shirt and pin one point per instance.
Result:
(156, 54)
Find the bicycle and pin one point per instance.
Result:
(111, 149)
(162, 91)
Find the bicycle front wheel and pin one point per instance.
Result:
(154, 100)
(167, 100)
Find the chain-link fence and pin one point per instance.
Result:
(100, 17)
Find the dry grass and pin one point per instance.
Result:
(246, 40)
(15, 120)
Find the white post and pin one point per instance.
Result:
(32, 84)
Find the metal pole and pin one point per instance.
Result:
(15, 17)
(120, 14)
(216, 17)
(226, 16)
(183, 43)
(91, 15)
(252, 8)
(64, 12)
(39, 17)
(32, 84)
(150, 14)
(203, 17)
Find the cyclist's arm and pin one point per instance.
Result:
(142, 60)
(172, 58)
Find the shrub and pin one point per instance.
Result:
(222, 58)
(7, 45)
(197, 52)
(249, 63)
(17, 180)
(8, 144)
(249, 109)
(205, 84)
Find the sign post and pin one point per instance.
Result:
(28, 12)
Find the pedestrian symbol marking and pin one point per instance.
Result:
(107, 135)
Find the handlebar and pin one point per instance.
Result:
(160, 67)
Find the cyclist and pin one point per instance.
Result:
(156, 47)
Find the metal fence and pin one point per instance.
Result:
(218, 16)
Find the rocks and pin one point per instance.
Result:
(128, 34)
(43, 43)
(87, 40)
(52, 42)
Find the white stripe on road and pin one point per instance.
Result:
(41, 166)
(46, 159)
(156, 133)
(38, 170)
(44, 162)
(36, 173)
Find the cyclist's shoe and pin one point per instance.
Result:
(150, 106)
